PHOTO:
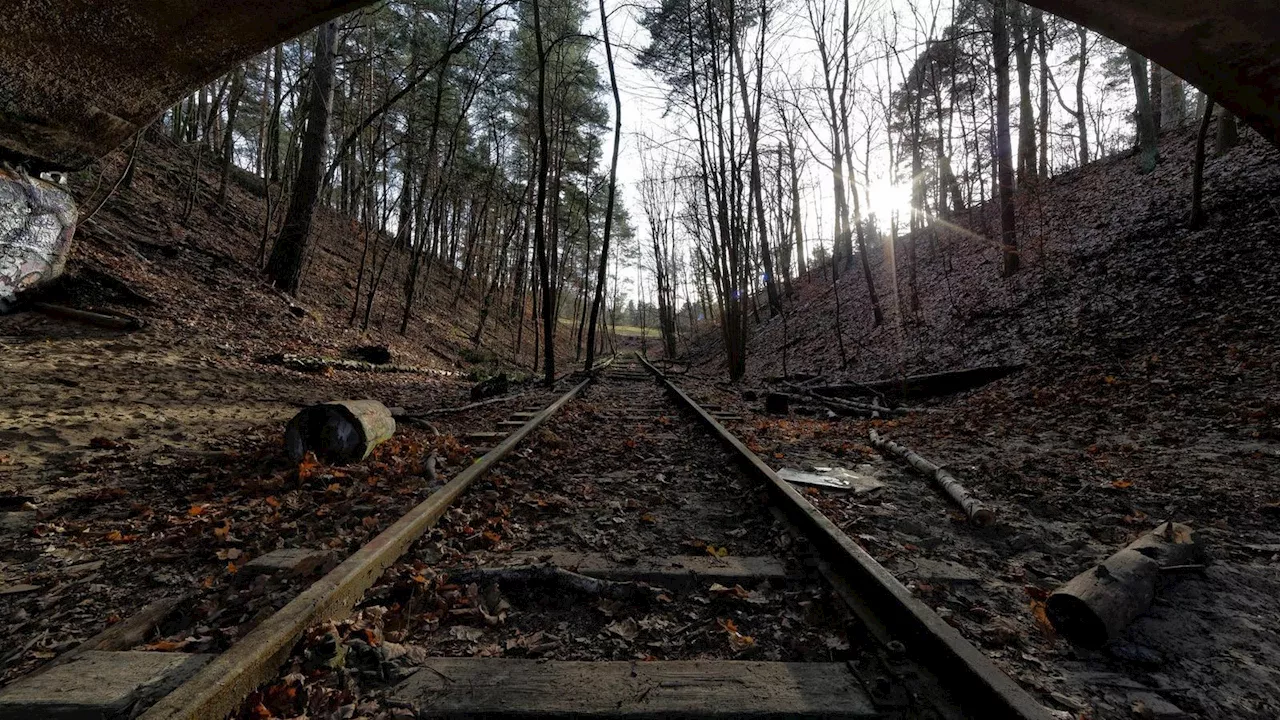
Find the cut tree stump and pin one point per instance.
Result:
(978, 514)
(1095, 606)
(339, 432)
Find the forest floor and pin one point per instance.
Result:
(1150, 394)
(124, 454)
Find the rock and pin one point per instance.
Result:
(376, 354)
(777, 403)
(494, 386)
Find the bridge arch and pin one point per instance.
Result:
(77, 77)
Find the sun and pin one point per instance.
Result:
(887, 199)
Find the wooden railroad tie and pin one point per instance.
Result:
(500, 687)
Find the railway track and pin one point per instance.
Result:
(617, 552)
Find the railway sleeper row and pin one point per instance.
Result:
(633, 566)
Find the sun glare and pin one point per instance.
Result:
(887, 199)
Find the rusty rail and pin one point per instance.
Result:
(877, 598)
(218, 688)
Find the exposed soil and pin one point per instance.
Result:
(1151, 394)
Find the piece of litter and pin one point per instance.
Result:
(837, 478)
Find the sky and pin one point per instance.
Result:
(792, 52)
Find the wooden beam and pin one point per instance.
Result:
(503, 688)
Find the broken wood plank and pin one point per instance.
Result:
(1096, 605)
(479, 687)
(111, 322)
(133, 630)
(978, 514)
(677, 571)
(486, 435)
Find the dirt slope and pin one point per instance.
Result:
(1150, 394)
(210, 318)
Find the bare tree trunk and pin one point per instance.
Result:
(539, 220)
(1042, 52)
(1154, 85)
(289, 254)
(609, 198)
(1173, 100)
(1081, 120)
(751, 112)
(1026, 114)
(277, 88)
(1228, 132)
(1197, 175)
(1144, 117)
(228, 134)
(1004, 150)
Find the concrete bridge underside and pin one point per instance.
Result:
(78, 77)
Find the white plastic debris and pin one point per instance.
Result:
(833, 477)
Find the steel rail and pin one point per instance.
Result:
(221, 685)
(981, 688)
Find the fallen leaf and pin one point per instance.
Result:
(626, 629)
(1122, 484)
(307, 466)
(466, 633)
(737, 641)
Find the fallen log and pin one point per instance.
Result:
(339, 432)
(112, 322)
(978, 514)
(525, 575)
(929, 385)
(1096, 605)
(867, 409)
(407, 415)
(305, 363)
